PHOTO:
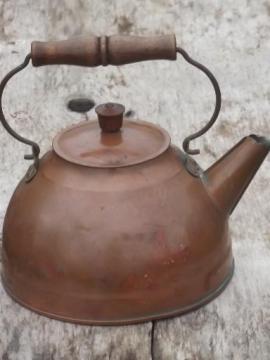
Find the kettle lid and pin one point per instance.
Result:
(111, 142)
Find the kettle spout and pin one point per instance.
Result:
(227, 179)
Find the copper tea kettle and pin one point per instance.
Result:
(115, 225)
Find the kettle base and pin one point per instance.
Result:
(184, 310)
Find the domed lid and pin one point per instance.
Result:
(111, 142)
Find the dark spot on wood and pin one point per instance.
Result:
(267, 6)
(227, 104)
(117, 80)
(219, 13)
(130, 355)
(45, 355)
(130, 113)
(153, 339)
(210, 151)
(224, 129)
(80, 105)
(14, 344)
(124, 24)
(5, 356)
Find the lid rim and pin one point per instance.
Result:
(59, 152)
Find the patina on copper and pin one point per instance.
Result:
(117, 225)
(105, 143)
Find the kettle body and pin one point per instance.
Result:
(105, 246)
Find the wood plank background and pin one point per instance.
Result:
(232, 37)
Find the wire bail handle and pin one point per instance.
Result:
(93, 51)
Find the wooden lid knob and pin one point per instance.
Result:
(110, 116)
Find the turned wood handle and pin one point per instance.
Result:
(105, 50)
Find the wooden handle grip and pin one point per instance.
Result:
(105, 50)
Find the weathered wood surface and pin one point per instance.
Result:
(233, 39)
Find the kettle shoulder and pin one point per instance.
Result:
(166, 173)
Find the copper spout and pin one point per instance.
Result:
(227, 179)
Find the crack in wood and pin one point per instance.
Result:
(152, 350)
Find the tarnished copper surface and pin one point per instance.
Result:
(122, 245)
(113, 245)
(85, 144)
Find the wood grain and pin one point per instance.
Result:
(93, 51)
